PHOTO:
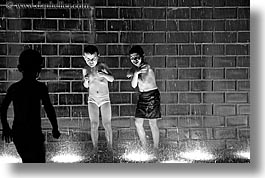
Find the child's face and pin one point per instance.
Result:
(136, 59)
(91, 59)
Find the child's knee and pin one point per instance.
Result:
(153, 123)
(94, 124)
(106, 124)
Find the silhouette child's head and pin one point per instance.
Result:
(30, 62)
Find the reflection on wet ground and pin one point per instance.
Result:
(129, 152)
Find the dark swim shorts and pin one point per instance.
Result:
(148, 106)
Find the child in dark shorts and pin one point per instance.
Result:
(148, 105)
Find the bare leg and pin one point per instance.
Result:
(106, 122)
(140, 130)
(155, 132)
(94, 122)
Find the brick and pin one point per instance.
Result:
(224, 85)
(77, 86)
(131, 37)
(33, 13)
(237, 25)
(201, 62)
(78, 62)
(237, 3)
(125, 86)
(239, 121)
(243, 109)
(177, 62)
(177, 110)
(70, 50)
(224, 13)
(236, 97)
(177, 37)
(70, 25)
(69, 74)
(189, 97)
(49, 74)
(58, 62)
(213, 98)
(201, 85)
(213, 121)
(244, 134)
(243, 85)
(202, 109)
(82, 13)
(115, 111)
(169, 74)
(213, 49)
(154, 62)
(121, 122)
(118, 25)
(3, 62)
(19, 24)
(44, 24)
(97, 25)
(102, 37)
(118, 49)
(3, 75)
(54, 99)
(57, 13)
(143, 2)
(224, 61)
(127, 110)
(243, 13)
(243, 37)
(213, 74)
(180, 134)
(213, 25)
(3, 25)
(3, 49)
(70, 99)
(169, 98)
(45, 49)
(201, 37)
(119, 3)
(96, 3)
(13, 75)
(189, 74)
(189, 122)
(58, 86)
(154, 13)
(201, 13)
(190, 49)
(142, 25)
(58, 37)
(237, 49)
(225, 37)
(178, 13)
(201, 134)
(173, 3)
(224, 110)
(130, 13)
(62, 111)
(166, 49)
(127, 134)
(120, 98)
(82, 38)
(225, 133)
(119, 73)
(108, 13)
(172, 25)
(154, 37)
(237, 73)
(9, 37)
(168, 122)
(111, 62)
(33, 37)
(189, 25)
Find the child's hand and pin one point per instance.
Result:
(56, 133)
(7, 135)
(129, 75)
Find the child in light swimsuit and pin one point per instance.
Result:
(148, 105)
(96, 77)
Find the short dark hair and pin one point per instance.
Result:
(91, 49)
(137, 49)
(30, 60)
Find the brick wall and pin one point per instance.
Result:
(199, 50)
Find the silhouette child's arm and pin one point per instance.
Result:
(7, 135)
(50, 113)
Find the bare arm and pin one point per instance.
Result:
(50, 113)
(85, 78)
(106, 73)
(7, 136)
(134, 82)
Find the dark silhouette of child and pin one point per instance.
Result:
(27, 96)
